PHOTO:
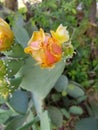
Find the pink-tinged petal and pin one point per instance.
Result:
(35, 45)
(50, 59)
(55, 48)
(37, 56)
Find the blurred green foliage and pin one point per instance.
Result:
(70, 96)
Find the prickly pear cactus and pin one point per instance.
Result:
(33, 65)
(10, 63)
(30, 67)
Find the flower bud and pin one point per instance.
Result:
(6, 36)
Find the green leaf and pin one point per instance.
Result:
(45, 122)
(74, 90)
(30, 27)
(56, 97)
(40, 81)
(55, 116)
(29, 121)
(65, 113)
(4, 115)
(13, 66)
(15, 82)
(2, 100)
(21, 35)
(87, 124)
(28, 126)
(16, 51)
(82, 98)
(19, 101)
(19, 20)
(89, 110)
(17, 122)
(76, 110)
(81, 29)
(61, 84)
(93, 104)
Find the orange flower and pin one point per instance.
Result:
(6, 36)
(44, 49)
(61, 34)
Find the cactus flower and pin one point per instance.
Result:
(44, 49)
(61, 34)
(6, 36)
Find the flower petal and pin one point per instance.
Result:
(6, 36)
(45, 49)
(61, 34)
(37, 36)
(35, 45)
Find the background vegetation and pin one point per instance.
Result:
(72, 103)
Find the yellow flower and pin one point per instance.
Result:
(6, 36)
(61, 34)
(4, 88)
(44, 49)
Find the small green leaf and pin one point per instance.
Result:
(21, 35)
(4, 115)
(76, 110)
(2, 100)
(13, 66)
(16, 51)
(15, 82)
(82, 98)
(64, 93)
(19, 20)
(56, 97)
(65, 113)
(45, 122)
(74, 90)
(87, 124)
(61, 84)
(19, 101)
(29, 121)
(55, 116)
(94, 105)
(16, 122)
